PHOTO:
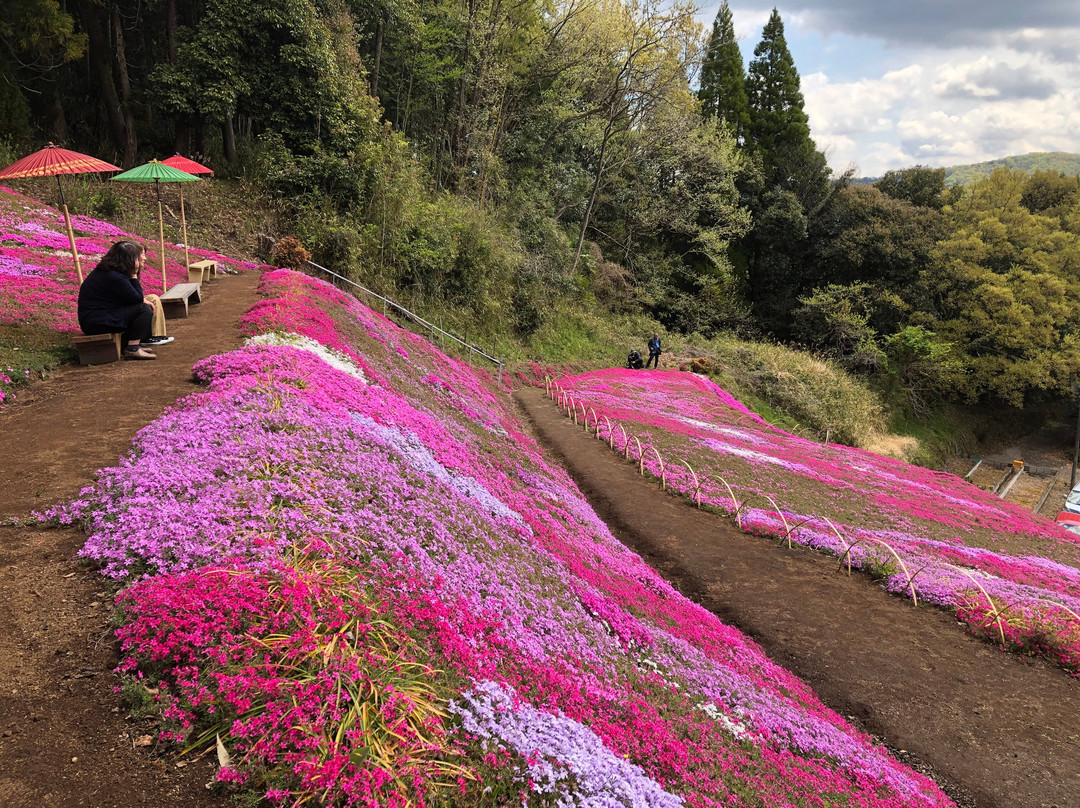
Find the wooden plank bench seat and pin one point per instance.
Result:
(201, 271)
(175, 301)
(97, 349)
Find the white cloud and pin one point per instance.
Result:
(1055, 44)
(994, 78)
(948, 108)
(920, 22)
(888, 85)
(859, 106)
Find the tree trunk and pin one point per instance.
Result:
(378, 60)
(57, 118)
(200, 136)
(457, 118)
(170, 31)
(592, 194)
(101, 64)
(228, 140)
(130, 142)
(182, 141)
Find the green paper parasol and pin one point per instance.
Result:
(157, 173)
(191, 167)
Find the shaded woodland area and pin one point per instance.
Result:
(519, 160)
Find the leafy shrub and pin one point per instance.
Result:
(289, 252)
(336, 248)
(105, 202)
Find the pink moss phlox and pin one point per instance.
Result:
(925, 516)
(463, 539)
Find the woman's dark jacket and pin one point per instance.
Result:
(106, 297)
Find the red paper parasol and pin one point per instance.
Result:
(191, 167)
(52, 161)
(184, 164)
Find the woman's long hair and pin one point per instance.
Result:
(121, 257)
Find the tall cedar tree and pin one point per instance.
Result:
(779, 127)
(723, 79)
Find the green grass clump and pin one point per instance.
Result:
(793, 389)
(27, 353)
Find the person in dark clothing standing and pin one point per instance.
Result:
(109, 303)
(654, 352)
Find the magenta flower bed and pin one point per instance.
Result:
(1010, 574)
(387, 503)
(38, 282)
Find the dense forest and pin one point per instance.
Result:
(511, 159)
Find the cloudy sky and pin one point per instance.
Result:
(889, 84)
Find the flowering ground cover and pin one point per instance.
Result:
(38, 284)
(349, 568)
(1011, 575)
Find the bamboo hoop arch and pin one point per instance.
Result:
(660, 460)
(639, 449)
(994, 610)
(791, 530)
(583, 413)
(734, 500)
(697, 484)
(748, 502)
(1060, 606)
(607, 423)
(625, 439)
(596, 420)
(910, 578)
(918, 572)
(780, 513)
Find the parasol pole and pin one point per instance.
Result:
(183, 225)
(70, 232)
(161, 236)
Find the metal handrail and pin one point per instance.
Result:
(415, 317)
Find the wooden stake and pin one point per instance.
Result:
(74, 249)
(183, 225)
(161, 251)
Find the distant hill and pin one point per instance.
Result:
(1062, 162)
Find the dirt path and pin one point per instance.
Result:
(997, 731)
(64, 738)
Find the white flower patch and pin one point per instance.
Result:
(714, 712)
(750, 454)
(417, 455)
(335, 359)
(723, 430)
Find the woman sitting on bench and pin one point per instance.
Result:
(110, 303)
(157, 319)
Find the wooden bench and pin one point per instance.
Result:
(175, 301)
(201, 271)
(97, 349)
